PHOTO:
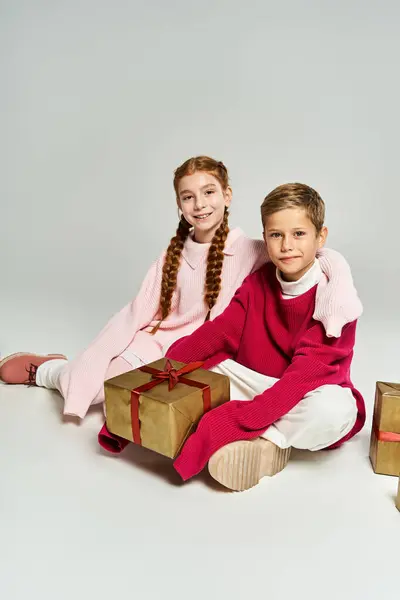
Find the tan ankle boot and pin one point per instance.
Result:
(241, 465)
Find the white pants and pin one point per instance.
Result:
(323, 417)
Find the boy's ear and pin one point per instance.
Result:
(323, 234)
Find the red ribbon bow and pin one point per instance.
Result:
(173, 376)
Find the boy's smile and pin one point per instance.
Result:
(292, 241)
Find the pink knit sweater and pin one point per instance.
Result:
(337, 303)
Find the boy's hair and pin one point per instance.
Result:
(215, 257)
(295, 195)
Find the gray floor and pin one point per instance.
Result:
(78, 523)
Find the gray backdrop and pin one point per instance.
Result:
(100, 101)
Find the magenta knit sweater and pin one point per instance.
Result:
(275, 337)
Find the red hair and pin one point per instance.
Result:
(215, 257)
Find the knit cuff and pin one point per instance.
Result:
(110, 442)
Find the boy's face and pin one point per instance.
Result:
(292, 241)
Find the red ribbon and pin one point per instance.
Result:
(385, 436)
(173, 376)
(388, 436)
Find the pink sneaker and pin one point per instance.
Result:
(21, 368)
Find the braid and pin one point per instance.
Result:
(215, 261)
(174, 251)
(170, 269)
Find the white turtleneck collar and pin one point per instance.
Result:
(291, 289)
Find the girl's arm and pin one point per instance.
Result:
(337, 302)
(84, 376)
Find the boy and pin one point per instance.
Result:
(295, 379)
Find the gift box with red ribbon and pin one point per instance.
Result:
(385, 434)
(159, 405)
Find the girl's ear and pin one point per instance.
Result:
(228, 196)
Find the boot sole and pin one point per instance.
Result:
(241, 465)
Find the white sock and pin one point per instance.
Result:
(48, 374)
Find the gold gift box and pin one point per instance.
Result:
(385, 454)
(398, 497)
(166, 417)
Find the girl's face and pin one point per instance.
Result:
(202, 202)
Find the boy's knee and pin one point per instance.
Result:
(332, 406)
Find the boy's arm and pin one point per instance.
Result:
(316, 362)
(218, 339)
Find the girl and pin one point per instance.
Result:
(192, 281)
